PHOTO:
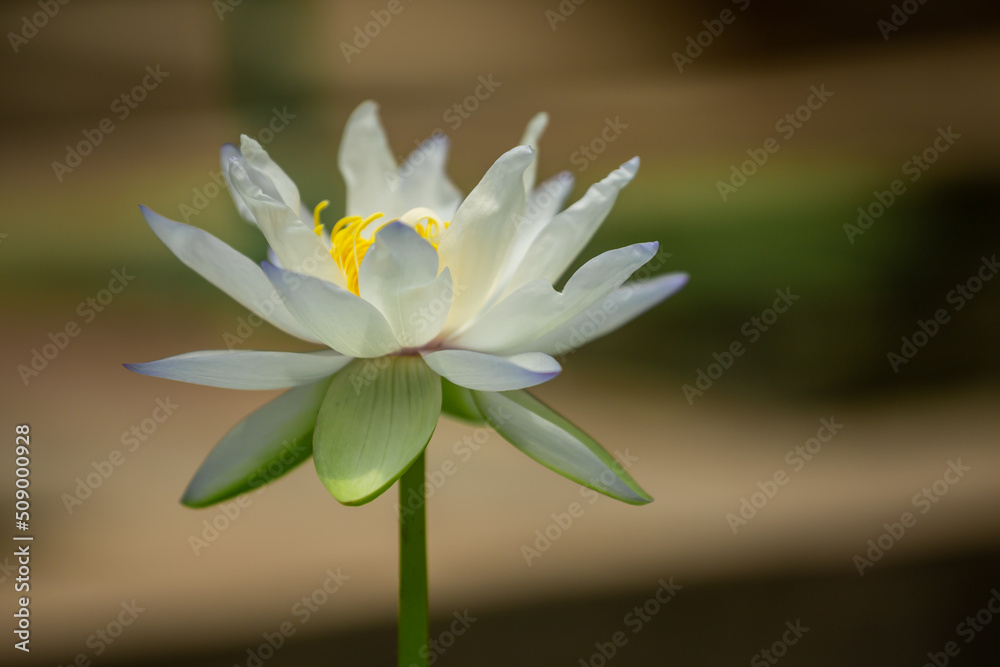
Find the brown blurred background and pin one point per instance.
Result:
(227, 68)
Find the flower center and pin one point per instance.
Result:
(348, 245)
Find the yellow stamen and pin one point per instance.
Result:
(430, 230)
(316, 211)
(348, 247)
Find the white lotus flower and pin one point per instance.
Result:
(413, 285)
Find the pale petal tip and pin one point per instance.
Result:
(154, 219)
(249, 146)
(632, 166)
(366, 108)
(518, 154)
(535, 129)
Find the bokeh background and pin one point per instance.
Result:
(900, 75)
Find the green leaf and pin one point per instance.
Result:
(271, 441)
(557, 444)
(457, 402)
(376, 419)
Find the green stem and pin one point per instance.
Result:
(413, 611)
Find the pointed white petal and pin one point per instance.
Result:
(547, 199)
(422, 181)
(557, 444)
(399, 276)
(344, 321)
(476, 243)
(295, 243)
(272, 441)
(558, 243)
(487, 372)
(376, 419)
(258, 161)
(542, 205)
(227, 269)
(366, 163)
(619, 308)
(226, 155)
(245, 369)
(536, 309)
(532, 133)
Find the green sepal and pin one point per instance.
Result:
(557, 444)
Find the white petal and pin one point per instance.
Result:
(619, 308)
(486, 372)
(226, 155)
(532, 133)
(245, 369)
(559, 242)
(422, 181)
(233, 273)
(344, 321)
(259, 163)
(536, 309)
(399, 276)
(547, 199)
(541, 207)
(366, 163)
(295, 243)
(476, 243)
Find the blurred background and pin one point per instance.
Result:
(845, 155)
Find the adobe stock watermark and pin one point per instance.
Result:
(786, 127)
(122, 107)
(131, 440)
(914, 168)
(796, 459)
(59, 340)
(290, 455)
(714, 28)
(302, 611)
(366, 33)
(217, 182)
(437, 647)
(31, 25)
(898, 17)
(223, 7)
(247, 325)
(589, 325)
(562, 12)
(635, 620)
(583, 156)
(968, 629)
(546, 536)
(924, 500)
(454, 116)
(752, 329)
(108, 634)
(463, 450)
(957, 298)
(779, 648)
